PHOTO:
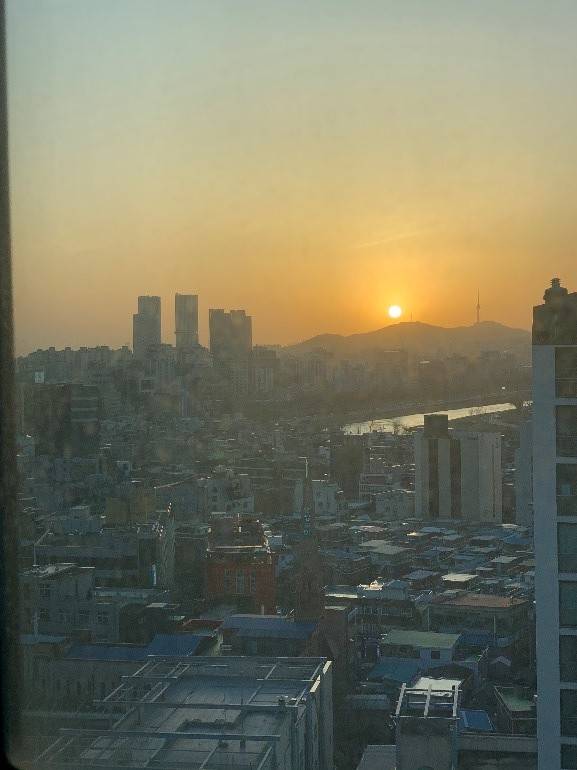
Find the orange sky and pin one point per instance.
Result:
(311, 162)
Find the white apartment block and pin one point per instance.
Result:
(457, 474)
(555, 525)
(395, 504)
(328, 498)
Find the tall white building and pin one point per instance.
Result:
(146, 325)
(555, 528)
(457, 473)
(186, 321)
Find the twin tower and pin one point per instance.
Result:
(146, 324)
(230, 333)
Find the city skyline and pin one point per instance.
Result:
(275, 157)
(166, 325)
(288, 404)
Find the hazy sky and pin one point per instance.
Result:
(310, 161)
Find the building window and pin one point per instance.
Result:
(567, 547)
(568, 604)
(566, 372)
(64, 617)
(44, 614)
(569, 712)
(569, 757)
(45, 590)
(568, 658)
(102, 618)
(83, 617)
(567, 431)
(240, 582)
(435, 655)
(566, 489)
(253, 582)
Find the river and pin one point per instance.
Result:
(405, 421)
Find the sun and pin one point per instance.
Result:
(395, 311)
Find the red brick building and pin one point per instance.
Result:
(240, 568)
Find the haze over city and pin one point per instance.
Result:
(288, 434)
(313, 163)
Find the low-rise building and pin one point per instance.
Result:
(516, 710)
(430, 648)
(389, 559)
(486, 619)
(212, 713)
(240, 565)
(395, 504)
(132, 555)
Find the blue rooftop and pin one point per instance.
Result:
(41, 639)
(477, 638)
(475, 720)
(162, 644)
(175, 644)
(273, 626)
(420, 574)
(398, 671)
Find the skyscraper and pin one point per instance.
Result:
(555, 516)
(457, 473)
(230, 334)
(146, 325)
(186, 320)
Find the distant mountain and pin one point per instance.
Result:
(421, 339)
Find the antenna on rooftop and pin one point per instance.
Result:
(478, 306)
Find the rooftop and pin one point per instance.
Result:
(170, 645)
(517, 699)
(272, 626)
(50, 571)
(473, 600)
(383, 547)
(378, 758)
(555, 322)
(458, 577)
(196, 713)
(423, 639)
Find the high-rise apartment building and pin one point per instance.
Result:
(457, 473)
(555, 524)
(146, 325)
(66, 419)
(230, 334)
(186, 320)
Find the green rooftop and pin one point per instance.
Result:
(424, 639)
(517, 699)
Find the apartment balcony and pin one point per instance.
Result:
(567, 562)
(566, 387)
(566, 505)
(567, 446)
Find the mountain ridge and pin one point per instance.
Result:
(417, 338)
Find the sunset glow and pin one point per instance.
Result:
(395, 311)
(258, 144)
